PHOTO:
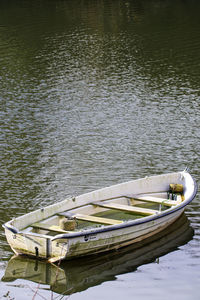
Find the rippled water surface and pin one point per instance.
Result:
(94, 93)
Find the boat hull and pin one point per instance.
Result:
(113, 240)
(90, 243)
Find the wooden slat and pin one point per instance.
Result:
(127, 208)
(99, 220)
(53, 228)
(157, 200)
(92, 219)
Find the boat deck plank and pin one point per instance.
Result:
(162, 201)
(127, 208)
(53, 228)
(92, 219)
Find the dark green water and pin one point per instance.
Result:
(93, 93)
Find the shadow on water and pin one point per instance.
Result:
(77, 275)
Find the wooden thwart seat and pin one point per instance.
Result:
(161, 201)
(44, 226)
(127, 208)
(92, 219)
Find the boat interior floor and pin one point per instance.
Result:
(111, 211)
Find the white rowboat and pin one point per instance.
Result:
(102, 220)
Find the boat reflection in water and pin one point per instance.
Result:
(77, 275)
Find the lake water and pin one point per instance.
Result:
(94, 93)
